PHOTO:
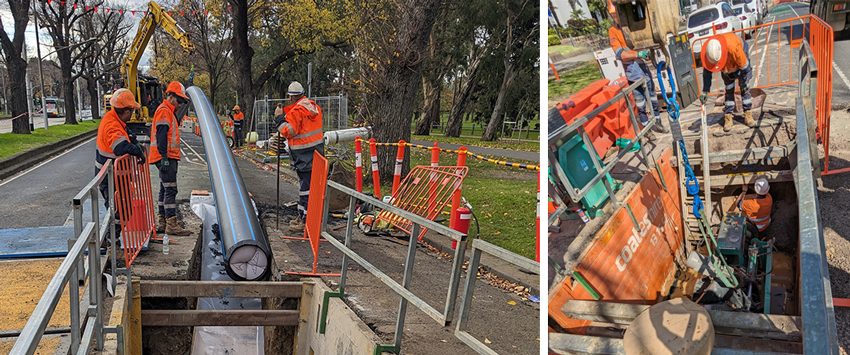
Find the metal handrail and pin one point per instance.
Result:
(74, 270)
(479, 246)
(401, 289)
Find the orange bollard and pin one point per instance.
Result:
(376, 179)
(399, 158)
(358, 164)
(461, 161)
(557, 78)
(435, 161)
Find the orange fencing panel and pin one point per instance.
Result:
(315, 210)
(419, 196)
(629, 263)
(134, 204)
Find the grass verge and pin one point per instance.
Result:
(562, 49)
(574, 80)
(522, 145)
(11, 144)
(504, 201)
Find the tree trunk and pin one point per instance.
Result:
(64, 56)
(91, 87)
(431, 109)
(243, 51)
(454, 125)
(17, 71)
(511, 72)
(392, 113)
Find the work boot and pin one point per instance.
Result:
(658, 127)
(160, 223)
(748, 119)
(172, 228)
(650, 136)
(296, 225)
(727, 123)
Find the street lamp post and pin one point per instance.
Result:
(40, 73)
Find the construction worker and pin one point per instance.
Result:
(729, 55)
(165, 154)
(237, 117)
(633, 63)
(757, 207)
(113, 137)
(301, 125)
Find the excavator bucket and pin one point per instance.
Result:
(646, 23)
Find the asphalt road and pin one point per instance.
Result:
(41, 196)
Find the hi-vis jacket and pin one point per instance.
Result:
(303, 132)
(165, 126)
(757, 209)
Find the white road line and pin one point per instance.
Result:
(193, 151)
(45, 162)
(764, 54)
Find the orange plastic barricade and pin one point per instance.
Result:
(628, 262)
(461, 161)
(315, 211)
(399, 158)
(134, 204)
(618, 121)
(415, 194)
(358, 164)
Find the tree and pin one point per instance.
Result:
(294, 28)
(211, 35)
(106, 54)
(521, 28)
(16, 66)
(60, 18)
(392, 42)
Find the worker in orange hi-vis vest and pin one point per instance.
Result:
(728, 54)
(635, 67)
(757, 207)
(165, 154)
(301, 125)
(237, 116)
(114, 139)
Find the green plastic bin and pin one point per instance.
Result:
(576, 162)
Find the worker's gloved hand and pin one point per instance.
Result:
(141, 147)
(643, 54)
(279, 120)
(733, 75)
(703, 98)
(140, 158)
(163, 164)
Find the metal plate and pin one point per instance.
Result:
(676, 130)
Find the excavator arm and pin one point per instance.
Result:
(155, 16)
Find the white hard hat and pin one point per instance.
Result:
(295, 88)
(762, 186)
(714, 51)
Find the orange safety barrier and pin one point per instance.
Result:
(315, 211)
(821, 38)
(628, 262)
(415, 192)
(134, 204)
(611, 124)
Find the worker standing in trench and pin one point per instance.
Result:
(165, 154)
(729, 55)
(633, 62)
(114, 139)
(757, 207)
(301, 125)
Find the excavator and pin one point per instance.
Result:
(147, 89)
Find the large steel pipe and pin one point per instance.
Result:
(244, 243)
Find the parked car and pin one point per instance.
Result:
(748, 18)
(710, 20)
(756, 6)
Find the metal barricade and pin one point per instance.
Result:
(134, 203)
(444, 317)
(479, 246)
(576, 193)
(88, 238)
(424, 192)
(334, 114)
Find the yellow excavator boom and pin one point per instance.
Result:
(155, 16)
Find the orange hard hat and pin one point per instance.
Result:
(176, 88)
(236, 108)
(123, 98)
